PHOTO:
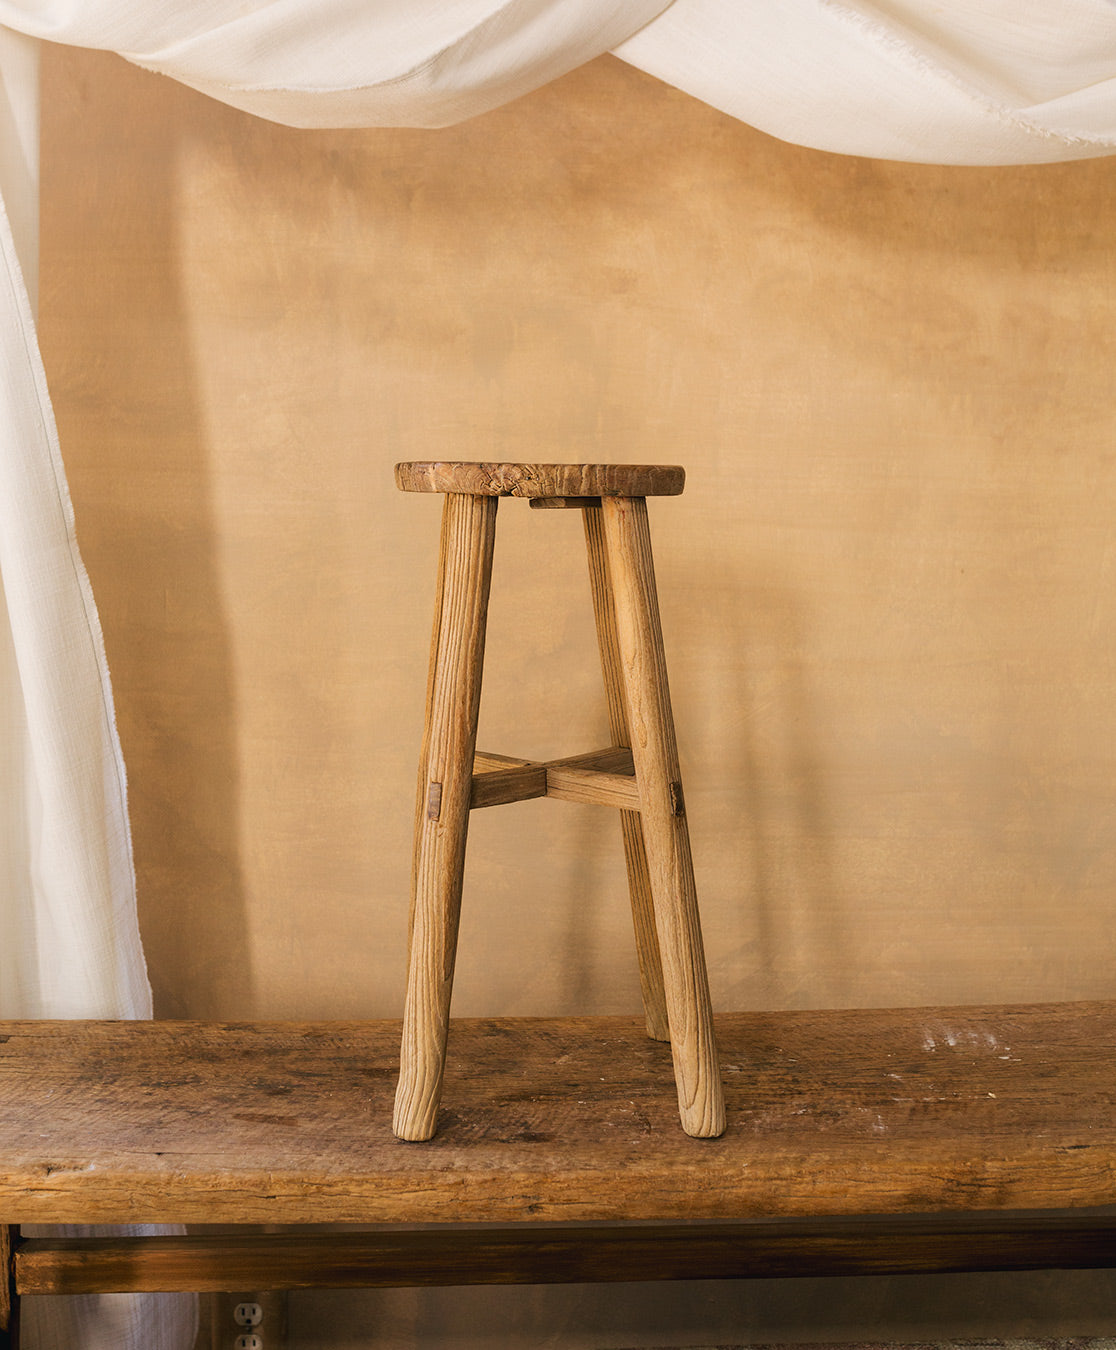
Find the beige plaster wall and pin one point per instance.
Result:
(888, 591)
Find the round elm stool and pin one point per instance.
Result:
(638, 773)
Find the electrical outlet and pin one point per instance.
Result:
(256, 1321)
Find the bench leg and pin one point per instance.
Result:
(9, 1299)
(666, 836)
(442, 811)
(635, 854)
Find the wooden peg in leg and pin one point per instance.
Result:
(442, 811)
(665, 832)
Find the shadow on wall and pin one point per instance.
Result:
(110, 270)
(762, 825)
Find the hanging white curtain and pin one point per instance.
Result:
(955, 82)
(958, 82)
(945, 81)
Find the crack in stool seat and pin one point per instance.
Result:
(638, 773)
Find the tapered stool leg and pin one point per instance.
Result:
(635, 855)
(442, 810)
(666, 836)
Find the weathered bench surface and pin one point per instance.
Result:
(830, 1113)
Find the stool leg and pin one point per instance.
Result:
(442, 810)
(655, 753)
(635, 855)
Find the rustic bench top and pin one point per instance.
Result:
(852, 1112)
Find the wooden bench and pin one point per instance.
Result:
(857, 1142)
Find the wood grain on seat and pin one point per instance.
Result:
(542, 480)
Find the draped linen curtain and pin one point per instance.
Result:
(953, 81)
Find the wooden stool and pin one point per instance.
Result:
(638, 773)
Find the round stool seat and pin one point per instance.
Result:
(542, 480)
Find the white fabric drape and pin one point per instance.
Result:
(955, 81)
(959, 82)
(69, 945)
(348, 62)
(946, 81)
